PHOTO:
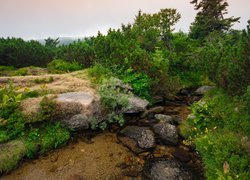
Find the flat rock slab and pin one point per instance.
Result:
(137, 139)
(166, 169)
(76, 97)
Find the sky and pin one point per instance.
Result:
(37, 19)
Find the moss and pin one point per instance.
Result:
(10, 154)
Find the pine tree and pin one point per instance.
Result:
(210, 17)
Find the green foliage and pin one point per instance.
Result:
(218, 123)
(221, 148)
(43, 80)
(11, 119)
(113, 97)
(60, 66)
(47, 137)
(48, 109)
(210, 18)
(98, 73)
(140, 82)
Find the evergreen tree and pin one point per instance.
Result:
(210, 18)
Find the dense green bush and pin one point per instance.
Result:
(216, 129)
(61, 66)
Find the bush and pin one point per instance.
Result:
(218, 123)
(140, 82)
(61, 66)
(223, 156)
(98, 73)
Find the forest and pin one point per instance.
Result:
(157, 61)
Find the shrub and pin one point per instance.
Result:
(61, 66)
(223, 156)
(140, 82)
(98, 73)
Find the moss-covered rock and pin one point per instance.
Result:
(10, 154)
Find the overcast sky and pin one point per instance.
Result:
(35, 19)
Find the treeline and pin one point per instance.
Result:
(211, 51)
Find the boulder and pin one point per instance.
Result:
(162, 169)
(203, 89)
(75, 103)
(166, 132)
(164, 118)
(10, 154)
(136, 105)
(77, 122)
(137, 139)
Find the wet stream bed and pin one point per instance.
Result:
(90, 156)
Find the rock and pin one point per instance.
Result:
(74, 103)
(158, 99)
(166, 169)
(156, 110)
(203, 89)
(10, 154)
(164, 118)
(137, 139)
(166, 132)
(136, 105)
(77, 122)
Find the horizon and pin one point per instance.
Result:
(31, 20)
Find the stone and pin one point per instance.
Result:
(10, 154)
(166, 169)
(158, 99)
(156, 110)
(137, 139)
(164, 118)
(191, 117)
(77, 122)
(74, 103)
(166, 132)
(136, 105)
(203, 89)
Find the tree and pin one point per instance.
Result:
(210, 18)
(52, 42)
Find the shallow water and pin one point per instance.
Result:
(101, 156)
(98, 159)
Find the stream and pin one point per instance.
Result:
(100, 155)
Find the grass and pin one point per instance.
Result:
(10, 155)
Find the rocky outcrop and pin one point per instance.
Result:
(203, 89)
(74, 108)
(166, 169)
(10, 154)
(166, 132)
(137, 139)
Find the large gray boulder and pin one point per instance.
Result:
(136, 105)
(71, 105)
(10, 154)
(166, 169)
(203, 89)
(137, 139)
(166, 132)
